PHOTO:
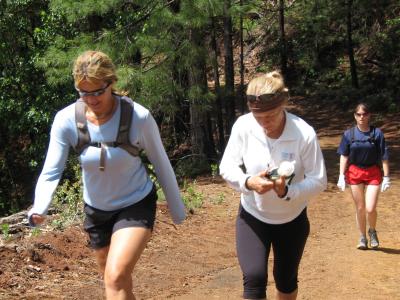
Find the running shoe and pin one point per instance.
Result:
(373, 236)
(363, 243)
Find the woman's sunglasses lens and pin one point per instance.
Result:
(95, 94)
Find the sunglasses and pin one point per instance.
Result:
(262, 98)
(95, 93)
(361, 115)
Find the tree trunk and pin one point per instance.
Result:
(241, 89)
(229, 71)
(220, 123)
(353, 68)
(210, 145)
(180, 130)
(283, 38)
(198, 82)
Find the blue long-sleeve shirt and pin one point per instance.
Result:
(124, 180)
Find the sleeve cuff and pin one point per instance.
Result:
(243, 183)
(290, 193)
(285, 194)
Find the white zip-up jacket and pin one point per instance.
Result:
(248, 146)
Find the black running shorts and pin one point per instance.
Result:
(100, 224)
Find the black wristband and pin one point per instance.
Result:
(245, 183)
(286, 191)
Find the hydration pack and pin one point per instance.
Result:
(370, 139)
(122, 139)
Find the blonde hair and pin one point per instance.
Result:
(269, 83)
(94, 66)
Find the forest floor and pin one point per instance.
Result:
(197, 260)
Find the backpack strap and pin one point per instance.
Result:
(81, 125)
(122, 141)
(372, 134)
(352, 129)
(124, 127)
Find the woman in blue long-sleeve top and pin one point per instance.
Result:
(120, 198)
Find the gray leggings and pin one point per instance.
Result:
(253, 243)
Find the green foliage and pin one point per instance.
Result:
(27, 103)
(190, 167)
(214, 169)
(35, 231)
(75, 12)
(195, 14)
(5, 230)
(219, 199)
(68, 201)
(192, 198)
(160, 195)
(153, 177)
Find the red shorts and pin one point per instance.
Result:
(369, 176)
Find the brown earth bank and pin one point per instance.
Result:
(197, 260)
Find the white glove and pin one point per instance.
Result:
(341, 183)
(385, 183)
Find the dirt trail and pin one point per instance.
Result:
(197, 260)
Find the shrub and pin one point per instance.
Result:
(68, 200)
(192, 198)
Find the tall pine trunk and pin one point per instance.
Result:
(241, 89)
(181, 118)
(201, 144)
(350, 49)
(283, 38)
(229, 71)
(218, 103)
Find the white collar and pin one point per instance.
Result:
(288, 132)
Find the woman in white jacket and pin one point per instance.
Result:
(273, 208)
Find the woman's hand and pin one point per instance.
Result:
(280, 186)
(260, 183)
